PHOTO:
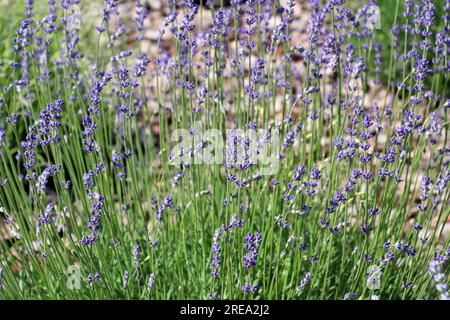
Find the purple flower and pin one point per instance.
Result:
(374, 211)
(94, 221)
(48, 215)
(435, 270)
(251, 245)
(389, 256)
(136, 252)
(299, 172)
(248, 287)
(304, 282)
(151, 281)
(365, 228)
(315, 173)
(215, 263)
(125, 277)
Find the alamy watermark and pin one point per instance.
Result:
(373, 277)
(243, 148)
(73, 22)
(73, 277)
(373, 17)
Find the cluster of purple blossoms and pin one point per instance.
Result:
(142, 62)
(2, 140)
(48, 22)
(125, 277)
(200, 100)
(47, 216)
(292, 186)
(290, 137)
(374, 211)
(109, 8)
(24, 37)
(216, 249)
(25, 32)
(327, 50)
(141, 15)
(153, 243)
(310, 188)
(48, 172)
(378, 60)
(88, 122)
(94, 221)
(234, 223)
(29, 145)
(407, 284)
(336, 200)
(435, 191)
(119, 163)
(249, 30)
(435, 269)
(1, 278)
(49, 121)
(216, 33)
(242, 152)
(251, 245)
(213, 296)
(94, 278)
(425, 187)
(440, 186)
(433, 130)
(257, 77)
(136, 253)
(88, 177)
(189, 16)
(160, 210)
(177, 177)
(215, 263)
(304, 282)
(282, 223)
(405, 248)
(248, 287)
(151, 281)
(345, 150)
(388, 256)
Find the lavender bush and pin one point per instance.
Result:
(102, 198)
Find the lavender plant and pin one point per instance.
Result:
(214, 149)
